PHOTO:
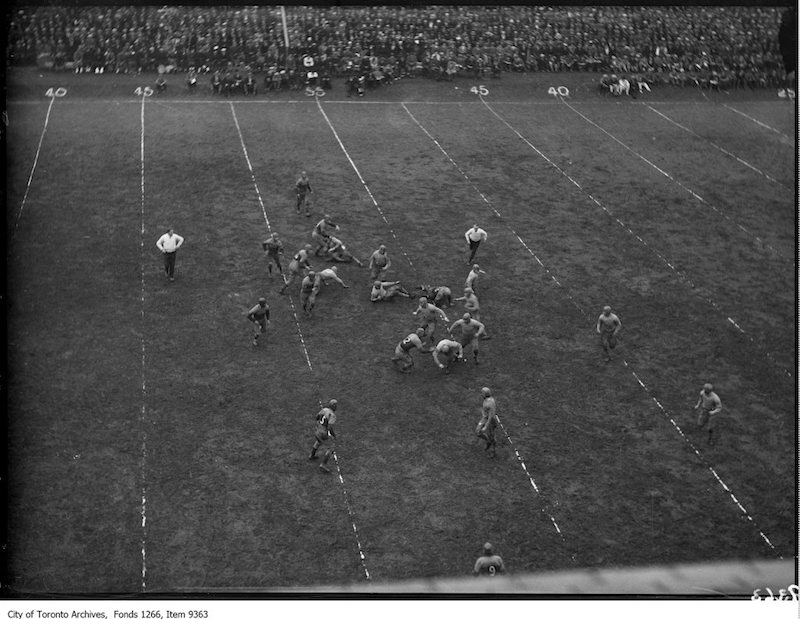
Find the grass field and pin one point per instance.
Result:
(152, 448)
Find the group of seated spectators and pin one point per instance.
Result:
(737, 45)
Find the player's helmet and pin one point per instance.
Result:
(376, 283)
(708, 387)
(332, 405)
(445, 347)
(486, 391)
(488, 549)
(262, 301)
(466, 316)
(420, 332)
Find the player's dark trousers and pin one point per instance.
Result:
(169, 263)
(473, 249)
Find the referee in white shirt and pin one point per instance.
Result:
(169, 244)
(474, 237)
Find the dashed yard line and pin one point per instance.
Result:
(143, 410)
(339, 475)
(532, 481)
(366, 187)
(725, 486)
(491, 206)
(719, 148)
(633, 373)
(681, 276)
(759, 241)
(33, 167)
(758, 122)
(508, 437)
(372, 197)
(269, 229)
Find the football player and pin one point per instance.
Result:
(324, 436)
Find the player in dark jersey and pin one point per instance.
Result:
(402, 351)
(259, 316)
(273, 247)
(324, 436)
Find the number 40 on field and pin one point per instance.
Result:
(561, 91)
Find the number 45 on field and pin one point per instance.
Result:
(479, 90)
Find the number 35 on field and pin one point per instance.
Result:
(561, 91)
(479, 90)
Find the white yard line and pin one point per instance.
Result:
(362, 558)
(366, 187)
(143, 412)
(758, 122)
(758, 240)
(718, 147)
(585, 314)
(725, 486)
(372, 197)
(682, 276)
(269, 229)
(33, 167)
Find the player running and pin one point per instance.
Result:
(302, 189)
(470, 332)
(259, 316)
(273, 247)
(472, 277)
(324, 436)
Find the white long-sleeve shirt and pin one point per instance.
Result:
(475, 234)
(169, 242)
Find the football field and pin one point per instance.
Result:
(152, 448)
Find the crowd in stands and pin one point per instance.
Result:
(734, 45)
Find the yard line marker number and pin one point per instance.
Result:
(305, 349)
(682, 276)
(633, 373)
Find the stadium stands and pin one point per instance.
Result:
(733, 46)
